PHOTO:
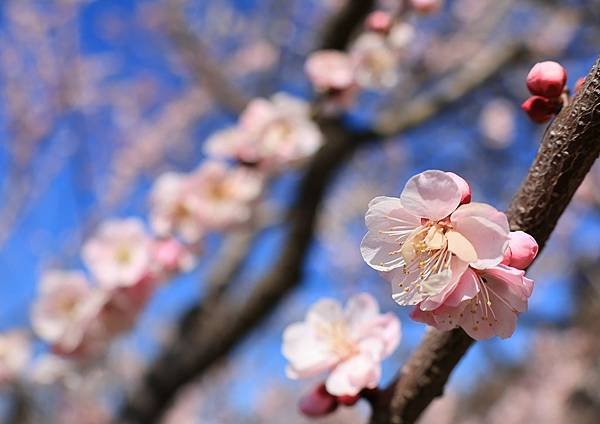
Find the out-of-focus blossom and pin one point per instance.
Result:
(225, 195)
(485, 303)
(15, 352)
(174, 208)
(379, 21)
(375, 61)
(522, 250)
(425, 240)
(497, 123)
(119, 254)
(547, 79)
(540, 109)
(50, 369)
(426, 6)
(401, 35)
(272, 134)
(348, 343)
(64, 309)
(330, 70)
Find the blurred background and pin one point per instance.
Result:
(101, 97)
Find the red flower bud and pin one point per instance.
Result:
(379, 21)
(348, 400)
(547, 79)
(317, 402)
(540, 109)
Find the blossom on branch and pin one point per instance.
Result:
(119, 254)
(546, 82)
(271, 134)
(348, 343)
(425, 240)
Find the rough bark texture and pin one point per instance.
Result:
(569, 148)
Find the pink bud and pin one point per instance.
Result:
(348, 400)
(318, 402)
(463, 186)
(579, 84)
(522, 250)
(426, 6)
(541, 109)
(547, 79)
(379, 21)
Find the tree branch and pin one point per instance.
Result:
(568, 150)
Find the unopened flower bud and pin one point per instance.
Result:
(547, 79)
(522, 250)
(379, 21)
(540, 109)
(318, 402)
(463, 186)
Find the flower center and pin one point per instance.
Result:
(336, 336)
(123, 255)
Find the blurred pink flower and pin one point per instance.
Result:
(348, 343)
(272, 134)
(64, 309)
(118, 255)
(15, 353)
(375, 61)
(173, 210)
(170, 256)
(425, 240)
(485, 303)
(330, 70)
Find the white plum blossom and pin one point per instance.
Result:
(15, 353)
(64, 309)
(348, 343)
(173, 208)
(330, 70)
(425, 240)
(119, 254)
(225, 195)
(375, 61)
(271, 134)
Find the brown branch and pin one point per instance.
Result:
(341, 27)
(568, 150)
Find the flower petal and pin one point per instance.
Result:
(431, 194)
(486, 229)
(353, 375)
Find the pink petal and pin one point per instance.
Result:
(486, 228)
(353, 375)
(431, 194)
(306, 354)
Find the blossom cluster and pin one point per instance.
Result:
(455, 261)
(372, 60)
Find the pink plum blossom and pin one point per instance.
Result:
(118, 255)
(174, 206)
(348, 343)
(485, 303)
(170, 256)
(271, 134)
(226, 195)
(15, 352)
(330, 70)
(522, 250)
(64, 310)
(425, 240)
(379, 21)
(375, 61)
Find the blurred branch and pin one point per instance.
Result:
(568, 150)
(197, 55)
(341, 27)
(473, 74)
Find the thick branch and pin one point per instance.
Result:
(570, 147)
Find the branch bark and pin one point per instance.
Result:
(569, 148)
